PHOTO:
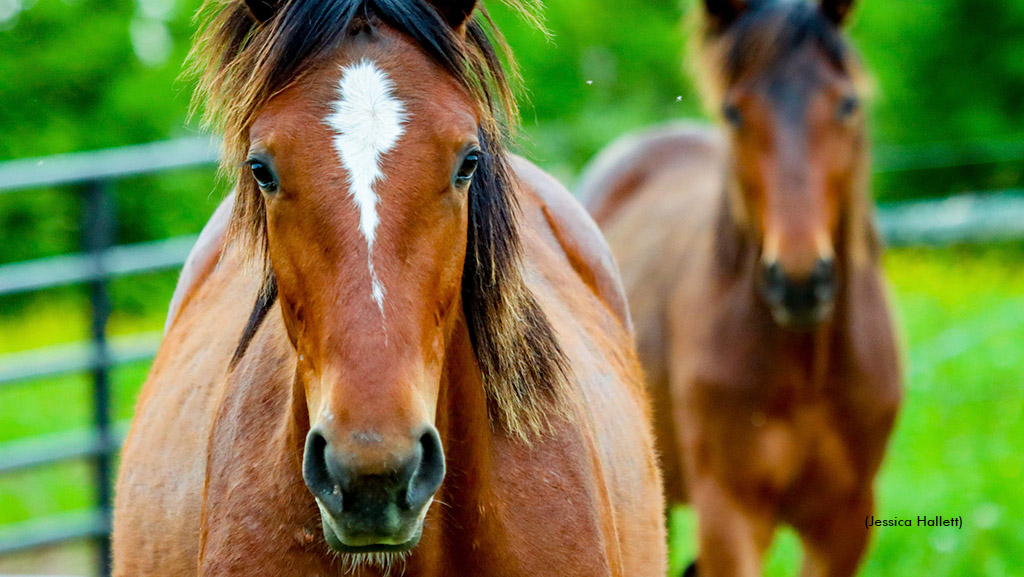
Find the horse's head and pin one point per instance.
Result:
(367, 136)
(786, 84)
(365, 168)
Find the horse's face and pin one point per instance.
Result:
(797, 135)
(365, 167)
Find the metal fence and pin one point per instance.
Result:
(971, 218)
(94, 175)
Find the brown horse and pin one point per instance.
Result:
(752, 268)
(437, 376)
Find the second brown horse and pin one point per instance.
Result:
(752, 267)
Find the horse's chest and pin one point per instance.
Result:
(806, 448)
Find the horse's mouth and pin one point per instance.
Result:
(337, 545)
(802, 320)
(401, 542)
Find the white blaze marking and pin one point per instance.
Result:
(367, 121)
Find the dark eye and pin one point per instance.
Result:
(467, 168)
(732, 115)
(263, 176)
(847, 107)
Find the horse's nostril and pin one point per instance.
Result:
(774, 282)
(823, 280)
(824, 269)
(364, 487)
(429, 473)
(316, 472)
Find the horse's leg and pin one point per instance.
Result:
(834, 545)
(732, 538)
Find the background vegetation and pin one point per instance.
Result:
(86, 74)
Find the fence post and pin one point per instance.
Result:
(98, 233)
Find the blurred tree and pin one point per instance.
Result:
(86, 74)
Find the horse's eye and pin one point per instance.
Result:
(732, 115)
(264, 178)
(847, 107)
(468, 168)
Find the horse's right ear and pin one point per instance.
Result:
(724, 12)
(263, 10)
(455, 12)
(836, 10)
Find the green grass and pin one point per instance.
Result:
(957, 448)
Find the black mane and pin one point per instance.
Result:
(777, 29)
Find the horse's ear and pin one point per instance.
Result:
(262, 10)
(836, 10)
(455, 12)
(724, 12)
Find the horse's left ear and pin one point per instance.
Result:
(455, 12)
(836, 10)
(262, 10)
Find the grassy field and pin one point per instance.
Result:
(957, 450)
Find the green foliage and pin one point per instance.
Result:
(602, 74)
(85, 74)
(947, 71)
(72, 79)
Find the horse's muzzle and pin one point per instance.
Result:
(800, 304)
(376, 509)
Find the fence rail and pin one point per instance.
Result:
(971, 218)
(30, 453)
(107, 165)
(79, 268)
(55, 530)
(17, 368)
(968, 218)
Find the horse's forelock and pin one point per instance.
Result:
(242, 63)
(762, 37)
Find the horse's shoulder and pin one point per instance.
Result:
(619, 170)
(203, 257)
(578, 236)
